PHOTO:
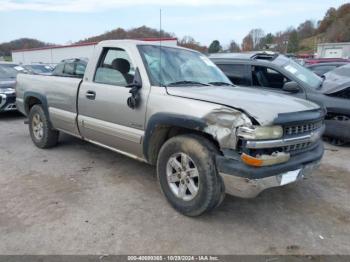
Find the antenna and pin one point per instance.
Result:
(160, 47)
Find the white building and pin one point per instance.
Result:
(55, 54)
(333, 50)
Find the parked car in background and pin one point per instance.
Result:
(337, 82)
(325, 60)
(38, 69)
(8, 73)
(321, 68)
(173, 108)
(274, 72)
(71, 68)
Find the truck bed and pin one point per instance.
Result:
(60, 93)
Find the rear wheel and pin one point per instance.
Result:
(187, 175)
(39, 127)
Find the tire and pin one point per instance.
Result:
(39, 128)
(198, 154)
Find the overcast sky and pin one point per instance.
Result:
(62, 21)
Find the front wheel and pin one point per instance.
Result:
(337, 141)
(39, 127)
(187, 175)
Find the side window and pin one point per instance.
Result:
(58, 71)
(236, 73)
(80, 69)
(114, 68)
(268, 77)
(69, 69)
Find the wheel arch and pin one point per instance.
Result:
(163, 126)
(32, 98)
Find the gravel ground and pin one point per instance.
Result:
(81, 199)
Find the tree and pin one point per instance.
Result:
(329, 18)
(256, 35)
(306, 29)
(233, 47)
(293, 42)
(247, 43)
(189, 42)
(266, 41)
(281, 40)
(215, 47)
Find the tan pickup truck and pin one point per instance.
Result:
(173, 108)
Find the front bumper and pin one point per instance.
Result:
(247, 182)
(7, 102)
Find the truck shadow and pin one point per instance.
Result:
(9, 116)
(275, 208)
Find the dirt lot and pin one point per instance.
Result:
(81, 199)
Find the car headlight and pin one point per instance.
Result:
(260, 132)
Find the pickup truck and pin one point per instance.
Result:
(171, 107)
(8, 75)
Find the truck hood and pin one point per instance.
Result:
(334, 83)
(7, 83)
(263, 106)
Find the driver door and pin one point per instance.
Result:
(104, 116)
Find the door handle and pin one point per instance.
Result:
(90, 95)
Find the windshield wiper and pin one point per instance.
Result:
(185, 82)
(220, 84)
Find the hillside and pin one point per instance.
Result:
(135, 33)
(22, 43)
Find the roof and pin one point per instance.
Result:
(7, 63)
(334, 44)
(327, 64)
(265, 55)
(91, 44)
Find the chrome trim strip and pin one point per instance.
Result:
(111, 129)
(311, 137)
(116, 150)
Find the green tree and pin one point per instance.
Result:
(215, 47)
(293, 42)
(266, 41)
(233, 47)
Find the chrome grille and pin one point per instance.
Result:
(302, 128)
(296, 147)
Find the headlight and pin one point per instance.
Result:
(260, 132)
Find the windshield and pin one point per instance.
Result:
(8, 71)
(175, 66)
(38, 69)
(303, 74)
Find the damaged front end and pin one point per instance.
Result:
(258, 154)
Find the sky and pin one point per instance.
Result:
(65, 21)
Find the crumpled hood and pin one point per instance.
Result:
(334, 83)
(263, 106)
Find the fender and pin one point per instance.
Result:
(38, 96)
(168, 120)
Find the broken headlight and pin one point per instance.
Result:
(260, 132)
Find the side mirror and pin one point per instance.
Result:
(135, 98)
(291, 87)
(137, 82)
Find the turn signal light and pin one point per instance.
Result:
(251, 161)
(265, 160)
